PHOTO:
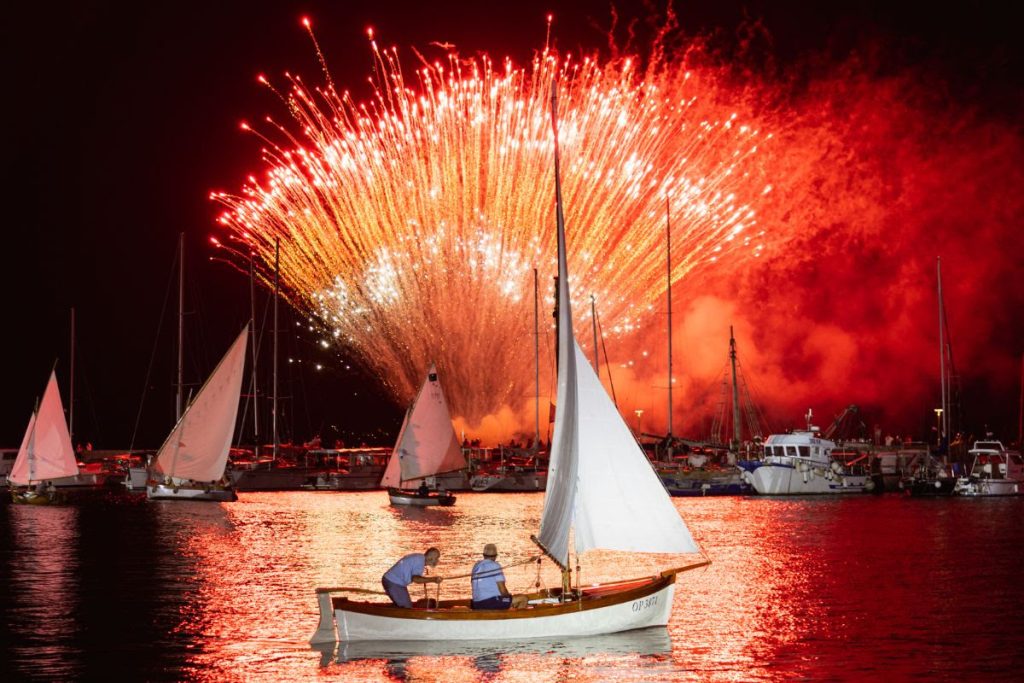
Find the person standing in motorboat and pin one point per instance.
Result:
(408, 570)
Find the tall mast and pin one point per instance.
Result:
(71, 398)
(942, 352)
(593, 322)
(277, 276)
(668, 290)
(1020, 414)
(736, 436)
(252, 331)
(181, 324)
(536, 362)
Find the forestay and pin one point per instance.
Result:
(427, 444)
(197, 448)
(46, 451)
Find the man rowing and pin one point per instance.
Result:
(409, 570)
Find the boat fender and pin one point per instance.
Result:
(836, 467)
(869, 485)
(938, 485)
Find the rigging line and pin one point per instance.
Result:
(254, 389)
(607, 364)
(152, 357)
(493, 572)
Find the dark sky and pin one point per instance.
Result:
(121, 117)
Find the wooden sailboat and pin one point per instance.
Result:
(600, 487)
(191, 462)
(46, 453)
(426, 446)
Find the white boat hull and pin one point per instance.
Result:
(135, 480)
(190, 492)
(773, 479)
(987, 487)
(613, 619)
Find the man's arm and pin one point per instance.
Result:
(426, 579)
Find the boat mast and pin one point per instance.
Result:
(593, 323)
(560, 220)
(71, 399)
(668, 290)
(1020, 414)
(942, 355)
(277, 276)
(181, 324)
(536, 363)
(736, 436)
(252, 328)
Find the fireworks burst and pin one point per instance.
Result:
(410, 224)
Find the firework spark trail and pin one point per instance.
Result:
(410, 224)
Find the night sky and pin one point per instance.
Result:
(123, 117)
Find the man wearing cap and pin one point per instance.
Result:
(489, 591)
(409, 570)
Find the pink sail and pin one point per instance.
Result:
(427, 444)
(197, 448)
(46, 452)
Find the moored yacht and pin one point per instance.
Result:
(995, 471)
(802, 463)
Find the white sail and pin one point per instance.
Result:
(46, 451)
(392, 473)
(427, 444)
(600, 482)
(197, 447)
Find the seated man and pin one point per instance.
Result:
(423, 490)
(489, 591)
(409, 570)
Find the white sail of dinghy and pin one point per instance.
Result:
(600, 483)
(197, 448)
(46, 452)
(427, 444)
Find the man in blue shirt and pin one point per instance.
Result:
(409, 570)
(489, 591)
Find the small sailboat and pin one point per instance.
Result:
(426, 447)
(600, 487)
(191, 462)
(46, 453)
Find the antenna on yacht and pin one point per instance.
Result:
(810, 417)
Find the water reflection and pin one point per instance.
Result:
(42, 589)
(814, 588)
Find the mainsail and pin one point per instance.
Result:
(427, 444)
(197, 447)
(600, 483)
(46, 451)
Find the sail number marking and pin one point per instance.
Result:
(639, 605)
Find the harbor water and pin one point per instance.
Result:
(845, 588)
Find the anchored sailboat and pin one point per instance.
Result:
(46, 453)
(600, 487)
(426, 446)
(190, 464)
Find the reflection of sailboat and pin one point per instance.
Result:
(649, 641)
(190, 464)
(426, 446)
(46, 453)
(600, 486)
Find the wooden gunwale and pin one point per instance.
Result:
(633, 590)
